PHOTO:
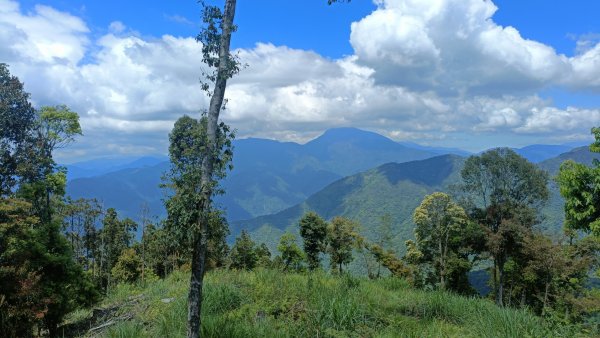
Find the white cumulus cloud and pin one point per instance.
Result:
(422, 70)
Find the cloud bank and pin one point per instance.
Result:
(423, 70)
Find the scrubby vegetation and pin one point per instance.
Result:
(270, 303)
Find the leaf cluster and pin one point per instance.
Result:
(313, 230)
(188, 149)
(210, 37)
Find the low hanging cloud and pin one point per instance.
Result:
(422, 70)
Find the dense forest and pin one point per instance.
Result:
(473, 258)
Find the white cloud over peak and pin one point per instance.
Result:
(422, 70)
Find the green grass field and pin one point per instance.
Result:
(269, 303)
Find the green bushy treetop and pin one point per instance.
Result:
(439, 225)
(243, 253)
(313, 230)
(341, 238)
(580, 187)
(291, 255)
(505, 192)
(128, 268)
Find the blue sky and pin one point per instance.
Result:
(460, 73)
(312, 24)
(308, 24)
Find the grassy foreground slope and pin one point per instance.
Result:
(269, 303)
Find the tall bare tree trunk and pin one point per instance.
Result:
(500, 290)
(201, 238)
(545, 304)
(441, 262)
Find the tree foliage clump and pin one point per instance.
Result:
(128, 268)
(389, 260)
(264, 256)
(187, 151)
(443, 239)
(551, 276)
(291, 254)
(22, 301)
(313, 230)
(115, 236)
(505, 192)
(243, 253)
(17, 122)
(341, 239)
(41, 281)
(580, 187)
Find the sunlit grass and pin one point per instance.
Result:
(267, 303)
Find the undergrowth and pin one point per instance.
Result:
(268, 303)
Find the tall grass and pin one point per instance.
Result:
(266, 303)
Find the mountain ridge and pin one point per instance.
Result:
(396, 189)
(269, 176)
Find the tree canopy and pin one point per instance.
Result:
(580, 187)
(313, 230)
(504, 193)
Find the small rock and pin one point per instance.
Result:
(167, 300)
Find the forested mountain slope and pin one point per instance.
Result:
(396, 189)
(268, 175)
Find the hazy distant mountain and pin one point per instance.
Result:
(268, 175)
(437, 150)
(101, 166)
(580, 155)
(125, 190)
(347, 151)
(539, 152)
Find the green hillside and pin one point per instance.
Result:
(579, 155)
(395, 189)
(269, 303)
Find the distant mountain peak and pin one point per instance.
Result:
(349, 134)
(350, 131)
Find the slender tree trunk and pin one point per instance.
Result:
(196, 281)
(500, 291)
(495, 275)
(510, 293)
(143, 249)
(547, 289)
(201, 238)
(443, 255)
(367, 264)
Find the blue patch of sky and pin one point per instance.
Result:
(556, 23)
(563, 98)
(559, 24)
(308, 24)
(314, 25)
